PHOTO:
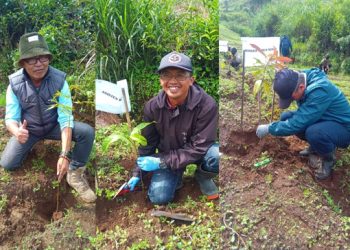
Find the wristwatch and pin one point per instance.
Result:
(162, 164)
(66, 154)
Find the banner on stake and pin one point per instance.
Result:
(109, 97)
(267, 44)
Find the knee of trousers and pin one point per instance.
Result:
(9, 165)
(319, 141)
(85, 131)
(159, 197)
(211, 160)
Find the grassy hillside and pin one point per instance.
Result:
(232, 37)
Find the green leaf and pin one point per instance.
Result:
(138, 128)
(139, 139)
(257, 87)
(112, 139)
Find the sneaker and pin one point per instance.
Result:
(76, 180)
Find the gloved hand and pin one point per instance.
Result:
(133, 182)
(262, 130)
(148, 163)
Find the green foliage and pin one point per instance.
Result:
(264, 75)
(345, 65)
(117, 237)
(315, 27)
(142, 244)
(3, 99)
(331, 203)
(131, 139)
(70, 36)
(116, 143)
(3, 202)
(133, 36)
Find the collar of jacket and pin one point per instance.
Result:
(194, 96)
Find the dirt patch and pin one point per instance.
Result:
(31, 200)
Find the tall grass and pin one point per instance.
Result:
(132, 37)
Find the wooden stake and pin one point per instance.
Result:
(242, 99)
(126, 109)
(57, 197)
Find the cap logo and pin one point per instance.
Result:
(174, 58)
(33, 38)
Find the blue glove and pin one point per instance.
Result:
(262, 130)
(148, 163)
(133, 182)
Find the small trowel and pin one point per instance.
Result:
(174, 216)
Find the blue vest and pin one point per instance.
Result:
(35, 103)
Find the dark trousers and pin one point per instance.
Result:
(323, 136)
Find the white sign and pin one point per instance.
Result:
(223, 46)
(109, 97)
(266, 44)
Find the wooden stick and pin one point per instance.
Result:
(126, 109)
(242, 101)
(57, 197)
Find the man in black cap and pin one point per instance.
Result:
(322, 117)
(184, 133)
(30, 116)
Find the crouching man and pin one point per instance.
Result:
(184, 133)
(31, 118)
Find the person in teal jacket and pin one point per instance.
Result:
(322, 117)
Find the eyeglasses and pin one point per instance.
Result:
(165, 76)
(34, 60)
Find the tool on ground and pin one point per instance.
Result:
(262, 163)
(124, 189)
(174, 216)
(57, 214)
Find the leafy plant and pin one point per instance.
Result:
(131, 139)
(3, 202)
(133, 36)
(265, 74)
(331, 203)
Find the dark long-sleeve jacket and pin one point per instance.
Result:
(184, 134)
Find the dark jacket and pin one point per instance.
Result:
(322, 101)
(35, 103)
(182, 135)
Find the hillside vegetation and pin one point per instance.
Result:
(315, 27)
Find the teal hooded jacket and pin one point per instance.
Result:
(322, 101)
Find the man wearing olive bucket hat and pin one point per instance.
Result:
(31, 118)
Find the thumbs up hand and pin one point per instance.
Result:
(22, 134)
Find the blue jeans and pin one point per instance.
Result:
(82, 134)
(323, 136)
(164, 181)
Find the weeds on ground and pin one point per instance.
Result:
(3, 202)
(335, 207)
(115, 238)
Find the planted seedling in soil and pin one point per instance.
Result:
(67, 110)
(130, 138)
(264, 76)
